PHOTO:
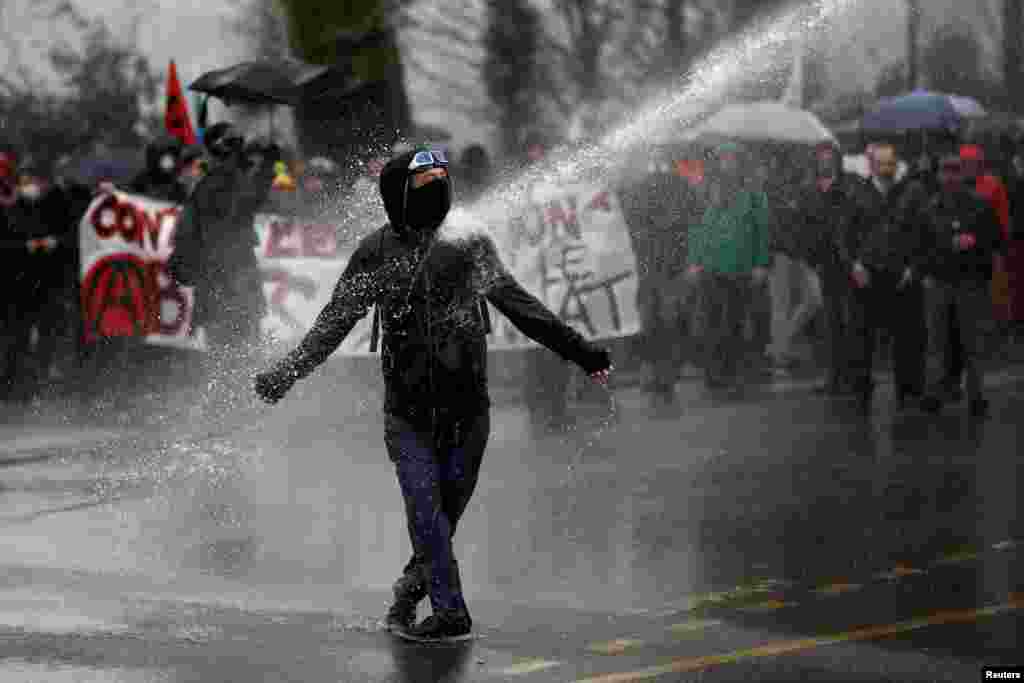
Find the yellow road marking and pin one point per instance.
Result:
(615, 647)
(959, 557)
(766, 606)
(785, 647)
(530, 666)
(693, 626)
(838, 588)
(898, 572)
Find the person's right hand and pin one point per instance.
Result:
(271, 386)
(694, 271)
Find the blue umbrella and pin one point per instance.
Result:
(921, 110)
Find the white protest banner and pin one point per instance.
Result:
(569, 246)
(125, 242)
(301, 263)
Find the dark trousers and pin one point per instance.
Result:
(963, 320)
(839, 304)
(45, 312)
(884, 306)
(952, 354)
(726, 300)
(663, 307)
(437, 474)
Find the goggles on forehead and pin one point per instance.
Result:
(428, 159)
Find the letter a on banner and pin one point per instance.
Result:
(176, 118)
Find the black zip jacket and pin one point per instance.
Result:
(949, 215)
(897, 232)
(430, 294)
(831, 226)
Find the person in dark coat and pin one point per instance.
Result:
(658, 206)
(888, 274)
(831, 222)
(41, 240)
(965, 234)
(160, 179)
(215, 242)
(430, 295)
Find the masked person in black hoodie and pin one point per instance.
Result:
(430, 297)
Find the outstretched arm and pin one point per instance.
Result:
(538, 323)
(352, 298)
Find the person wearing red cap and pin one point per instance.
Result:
(992, 190)
(957, 260)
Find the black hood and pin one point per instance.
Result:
(159, 147)
(393, 180)
(397, 197)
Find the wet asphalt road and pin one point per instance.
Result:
(774, 536)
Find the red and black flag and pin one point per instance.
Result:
(176, 117)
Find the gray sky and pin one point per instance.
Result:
(198, 35)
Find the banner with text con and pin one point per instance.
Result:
(568, 246)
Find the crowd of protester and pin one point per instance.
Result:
(779, 246)
(742, 254)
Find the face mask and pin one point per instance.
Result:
(427, 206)
(167, 163)
(31, 192)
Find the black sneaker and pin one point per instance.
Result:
(409, 591)
(440, 627)
(978, 407)
(931, 404)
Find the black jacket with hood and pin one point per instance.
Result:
(154, 181)
(430, 294)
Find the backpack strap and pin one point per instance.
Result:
(375, 334)
(485, 316)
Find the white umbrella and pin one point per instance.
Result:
(765, 122)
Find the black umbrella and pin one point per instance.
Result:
(270, 81)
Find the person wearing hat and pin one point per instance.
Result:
(430, 295)
(964, 236)
(990, 188)
(728, 253)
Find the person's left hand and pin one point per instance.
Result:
(602, 376)
(760, 274)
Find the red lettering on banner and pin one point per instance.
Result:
(130, 221)
(556, 215)
(600, 201)
(119, 298)
(289, 239)
(319, 240)
(281, 242)
(167, 291)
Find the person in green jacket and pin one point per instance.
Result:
(729, 255)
